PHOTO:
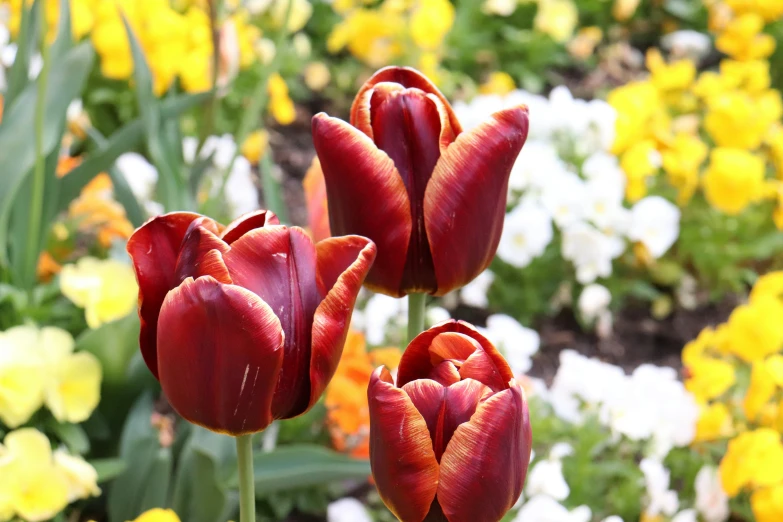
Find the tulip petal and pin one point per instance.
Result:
(464, 204)
(416, 362)
(221, 349)
(445, 373)
(407, 77)
(343, 263)
(401, 455)
(366, 197)
(427, 396)
(154, 248)
(481, 367)
(460, 402)
(452, 346)
(247, 222)
(198, 242)
(278, 264)
(484, 466)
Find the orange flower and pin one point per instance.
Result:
(346, 397)
(96, 211)
(315, 197)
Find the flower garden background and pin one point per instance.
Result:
(636, 293)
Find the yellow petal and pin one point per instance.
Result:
(81, 477)
(74, 390)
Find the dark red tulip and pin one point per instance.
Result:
(404, 174)
(451, 439)
(246, 323)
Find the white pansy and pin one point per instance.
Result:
(347, 509)
(543, 508)
(546, 478)
(589, 250)
(563, 197)
(655, 222)
(687, 43)
(537, 162)
(240, 192)
(593, 301)
(141, 175)
(475, 292)
(613, 518)
(380, 312)
(711, 501)
(517, 343)
(499, 7)
(527, 232)
(687, 515)
(660, 499)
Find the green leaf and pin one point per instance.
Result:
(19, 74)
(64, 40)
(66, 79)
(73, 435)
(114, 345)
(108, 469)
(301, 465)
(124, 195)
(125, 139)
(199, 495)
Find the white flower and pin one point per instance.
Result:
(347, 509)
(656, 223)
(475, 292)
(537, 162)
(711, 501)
(381, 312)
(593, 301)
(542, 508)
(517, 343)
(613, 518)
(687, 42)
(546, 478)
(605, 191)
(589, 250)
(687, 515)
(476, 112)
(499, 7)
(527, 231)
(141, 175)
(563, 197)
(660, 499)
(436, 315)
(241, 193)
(601, 129)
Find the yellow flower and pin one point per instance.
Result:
(431, 21)
(280, 104)
(622, 10)
(676, 76)
(753, 459)
(38, 490)
(735, 119)
(317, 76)
(767, 504)
(97, 212)
(499, 82)
(710, 84)
(762, 388)
(106, 289)
(21, 381)
(639, 162)
(556, 18)
(301, 10)
(682, 162)
(714, 423)
(81, 477)
(636, 104)
(373, 36)
(742, 39)
(695, 349)
(769, 10)
(585, 42)
(733, 180)
(768, 285)
(255, 145)
(158, 515)
(751, 75)
(754, 330)
(709, 378)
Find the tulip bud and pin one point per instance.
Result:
(405, 175)
(451, 439)
(246, 323)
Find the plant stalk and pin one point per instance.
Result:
(247, 489)
(417, 307)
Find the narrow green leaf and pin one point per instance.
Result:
(199, 495)
(19, 74)
(124, 195)
(64, 40)
(108, 469)
(73, 435)
(114, 344)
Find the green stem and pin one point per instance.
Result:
(247, 489)
(36, 203)
(417, 306)
(212, 105)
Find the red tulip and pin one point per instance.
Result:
(405, 175)
(246, 323)
(451, 440)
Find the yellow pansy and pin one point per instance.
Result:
(734, 119)
(733, 180)
(751, 75)
(639, 162)
(81, 477)
(158, 515)
(280, 103)
(38, 490)
(301, 10)
(106, 289)
(498, 82)
(21, 379)
(255, 145)
(622, 10)
(373, 36)
(556, 18)
(768, 285)
(709, 378)
(430, 22)
(695, 349)
(753, 459)
(317, 76)
(676, 76)
(762, 388)
(96, 211)
(742, 39)
(714, 423)
(682, 162)
(769, 10)
(767, 504)
(636, 104)
(754, 330)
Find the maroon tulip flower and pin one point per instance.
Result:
(243, 324)
(405, 175)
(451, 440)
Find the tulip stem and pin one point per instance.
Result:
(247, 487)
(417, 306)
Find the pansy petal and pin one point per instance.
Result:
(221, 349)
(247, 222)
(403, 462)
(366, 197)
(279, 265)
(484, 466)
(464, 204)
(416, 362)
(407, 77)
(352, 257)
(154, 248)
